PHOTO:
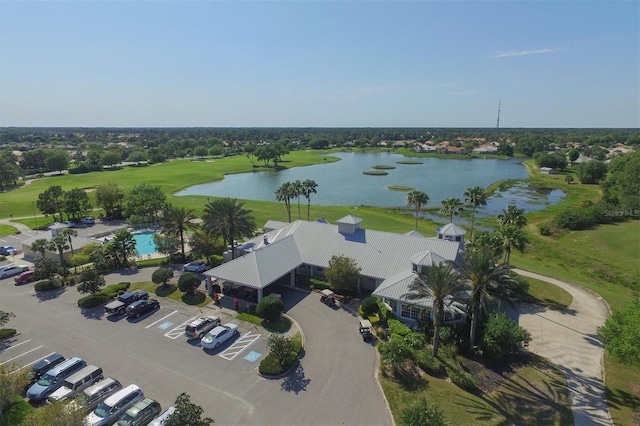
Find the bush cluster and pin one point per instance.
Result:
(586, 218)
(104, 295)
(398, 328)
(7, 332)
(369, 306)
(462, 379)
(502, 337)
(428, 363)
(316, 284)
(270, 366)
(45, 285)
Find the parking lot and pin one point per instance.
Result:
(334, 383)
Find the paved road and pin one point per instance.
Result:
(569, 339)
(334, 384)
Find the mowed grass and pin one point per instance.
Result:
(7, 230)
(545, 294)
(622, 386)
(534, 395)
(171, 291)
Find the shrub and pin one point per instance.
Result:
(270, 308)
(161, 276)
(462, 379)
(316, 284)
(216, 260)
(397, 327)
(369, 306)
(545, 229)
(46, 285)
(428, 363)
(17, 412)
(421, 413)
(93, 300)
(374, 320)
(7, 332)
(414, 340)
(270, 366)
(189, 282)
(502, 337)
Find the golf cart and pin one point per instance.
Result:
(327, 297)
(366, 329)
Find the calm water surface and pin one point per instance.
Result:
(342, 183)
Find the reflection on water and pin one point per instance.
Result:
(342, 183)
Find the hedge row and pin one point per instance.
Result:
(7, 332)
(103, 296)
(45, 285)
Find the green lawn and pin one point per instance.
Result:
(535, 395)
(546, 294)
(7, 230)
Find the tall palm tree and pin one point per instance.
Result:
(69, 233)
(512, 215)
(175, 223)
(510, 236)
(227, 218)
(481, 271)
(309, 187)
(297, 190)
(40, 245)
(475, 196)
(450, 206)
(59, 244)
(122, 247)
(285, 193)
(417, 199)
(440, 283)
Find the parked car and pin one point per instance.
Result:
(114, 406)
(141, 413)
(7, 250)
(70, 223)
(11, 270)
(44, 365)
(119, 306)
(24, 277)
(89, 220)
(54, 378)
(201, 326)
(76, 383)
(195, 266)
(219, 335)
(159, 421)
(141, 307)
(91, 397)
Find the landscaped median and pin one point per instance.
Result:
(103, 296)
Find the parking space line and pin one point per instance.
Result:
(23, 354)
(16, 345)
(161, 319)
(239, 345)
(31, 363)
(178, 331)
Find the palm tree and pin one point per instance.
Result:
(175, 223)
(296, 189)
(227, 218)
(68, 233)
(440, 283)
(40, 245)
(481, 271)
(417, 199)
(476, 197)
(285, 193)
(59, 243)
(450, 206)
(309, 187)
(510, 237)
(121, 247)
(512, 216)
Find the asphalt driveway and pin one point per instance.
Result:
(569, 339)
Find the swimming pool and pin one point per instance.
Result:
(144, 243)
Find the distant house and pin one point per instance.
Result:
(485, 149)
(548, 171)
(455, 150)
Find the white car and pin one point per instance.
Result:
(219, 335)
(89, 220)
(11, 270)
(195, 266)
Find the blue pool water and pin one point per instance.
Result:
(144, 243)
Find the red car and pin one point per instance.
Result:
(24, 277)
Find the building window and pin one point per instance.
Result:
(414, 312)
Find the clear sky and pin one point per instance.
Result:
(325, 63)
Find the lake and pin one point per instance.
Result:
(342, 183)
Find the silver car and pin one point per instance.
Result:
(11, 270)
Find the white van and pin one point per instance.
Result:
(76, 383)
(114, 406)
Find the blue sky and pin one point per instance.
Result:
(325, 63)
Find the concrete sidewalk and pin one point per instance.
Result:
(569, 339)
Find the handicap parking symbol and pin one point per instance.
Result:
(253, 356)
(165, 325)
